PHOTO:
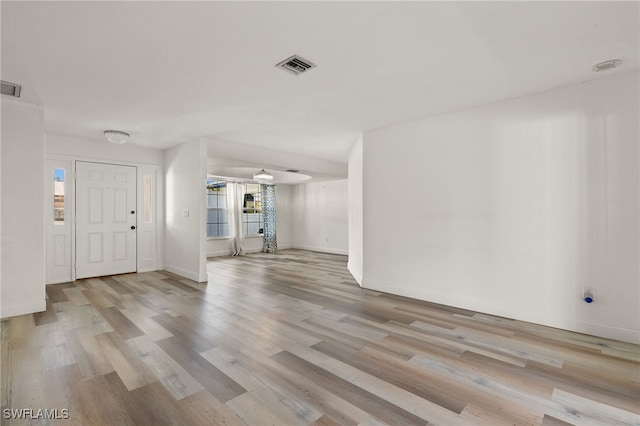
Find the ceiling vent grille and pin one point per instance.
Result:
(296, 65)
(11, 89)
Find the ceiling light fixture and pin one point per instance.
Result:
(606, 65)
(263, 177)
(116, 136)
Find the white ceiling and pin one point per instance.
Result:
(170, 72)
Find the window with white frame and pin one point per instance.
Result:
(217, 214)
(252, 221)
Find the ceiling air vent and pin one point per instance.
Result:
(293, 171)
(296, 65)
(11, 89)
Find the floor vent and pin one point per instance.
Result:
(296, 65)
(11, 89)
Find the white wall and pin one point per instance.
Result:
(355, 216)
(185, 239)
(101, 150)
(320, 216)
(284, 216)
(148, 162)
(284, 229)
(319, 168)
(1, 238)
(513, 208)
(23, 241)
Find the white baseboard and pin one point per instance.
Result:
(259, 249)
(602, 330)
(356, 276)
(218, 253)
(252, 250)
(58, 282)
(569, 324)
(23, 308)
(322, 249)
(193, 276)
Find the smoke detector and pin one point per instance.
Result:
(296, 65)
(606, 65)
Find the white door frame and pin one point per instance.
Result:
(153, 260)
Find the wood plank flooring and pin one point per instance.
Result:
(290, 339)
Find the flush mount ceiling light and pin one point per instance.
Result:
(263, 176)
(116, 136)
(606, 65)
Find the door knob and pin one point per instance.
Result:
(133, 227)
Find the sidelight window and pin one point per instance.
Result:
(58, 196)
(217, 220)
(252, 221)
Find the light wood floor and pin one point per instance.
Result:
(289, 338)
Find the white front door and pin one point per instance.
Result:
(105, 219)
